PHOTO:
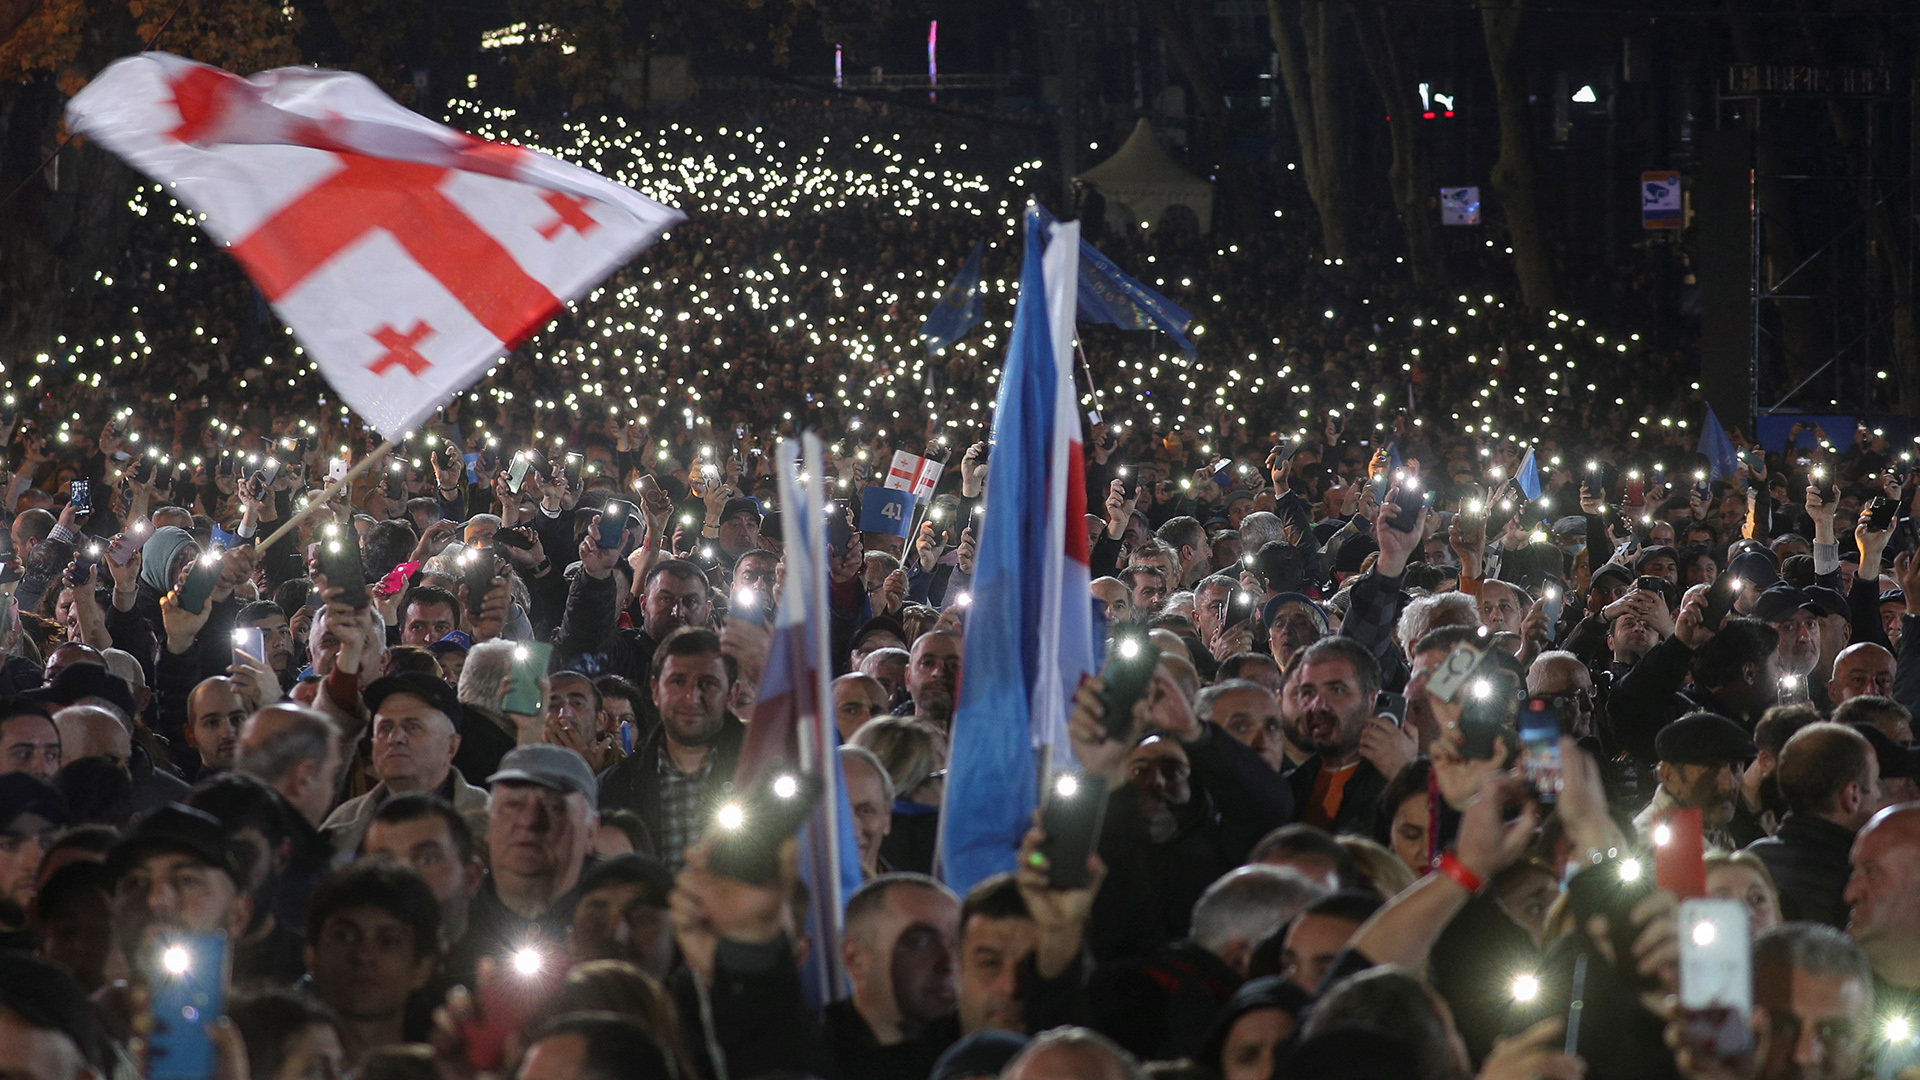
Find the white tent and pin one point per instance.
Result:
(1141, 182)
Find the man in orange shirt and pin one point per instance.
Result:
(1338, 787)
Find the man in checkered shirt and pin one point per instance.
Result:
(676, 773)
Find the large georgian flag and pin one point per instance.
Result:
(406, 256)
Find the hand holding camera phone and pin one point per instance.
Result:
(748, 830)
(201, 579)
(1071, 816)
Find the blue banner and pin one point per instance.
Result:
(886, 510)
(960, 307)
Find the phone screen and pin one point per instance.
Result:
(249, 642)
(1716, 977)
(1540, 729)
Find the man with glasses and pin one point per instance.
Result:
(1561, 675)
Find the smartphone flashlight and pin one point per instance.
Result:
(731, 816)
(1629, 870)
(1662, 834)
(528, 961)
(1066, 785)
(176, 959)
(1526, 987)
(786, 786)
(1128, 648)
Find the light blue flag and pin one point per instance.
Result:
(1108, 295)
(991, 768)
(1528, 477)
(1716, 447)
(960, 307)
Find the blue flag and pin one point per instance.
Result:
(1716, 447)
(1028, 637)
(1528, 477)
(959, 308)
(1108, 295)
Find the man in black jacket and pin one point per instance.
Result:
(1337, 788)
(1733, 676)
(672, 778)
(1831, 780)
(674, 594)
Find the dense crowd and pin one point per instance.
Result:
(1427, 779)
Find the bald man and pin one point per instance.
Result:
(1114, 593)
(1860, 669)
(215, 711)
(1884, 894)
(90, 731)
(296, 750)
(1561, 674)
(857, 699)
(1070, 1053)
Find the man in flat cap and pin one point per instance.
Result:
(1702, 757)
(1796, 614)
(540, 830)
(175, 871)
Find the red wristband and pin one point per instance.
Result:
(1451, 866)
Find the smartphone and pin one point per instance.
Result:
(86, 556)
(250, 643)
(189, 988)
(81, 497)
(1720, 599)
(1680, 853)
(748, 830)
(340, 561)
(520, 538)
(530, 661)
(1407, 504)
(120, 550)
(396, 479)
(1880, 513)
(201, 579)
(517, 472)
(574, 463)
(337, 469)
(1128, 674)
(1076, 805)
(1636, 492)
(1239, 609)
(267, 473)
(613, 524)
(1491, 697)
(1716, 977)
(512, 988)
(1613, 888)
(476, 573)
(1552, 597)
(1540, 728)
(1451, 677)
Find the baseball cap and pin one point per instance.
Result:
(173, 827)
(1758, 568)
(428, 688)
(549, 766)
(740, 504)
(22, 793)
(1779, 603)
(879, 624)
(456, 641)
(1703, 738)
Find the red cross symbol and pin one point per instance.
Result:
(401, 350)
(573, 215)
(402, 199)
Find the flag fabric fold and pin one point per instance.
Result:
(1029, 636)
(1527, 476)
(960, 306)
(1716, 447)
(1107, 294)
(911, 472)
(406, 256)
(793, 717)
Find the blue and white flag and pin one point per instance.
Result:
(793, 718)
(1029, 637)
(1528, 477)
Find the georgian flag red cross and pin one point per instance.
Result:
(406, 256)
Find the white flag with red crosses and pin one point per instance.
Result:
(406, 256)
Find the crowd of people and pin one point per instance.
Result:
(427, 750)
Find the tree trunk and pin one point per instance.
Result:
(1303, 37)
(1513, 177)
(1407, 177)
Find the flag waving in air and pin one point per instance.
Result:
(793, 717)
(911, 472)
(959, 308)
(1029, 631)
(406, 256)
(1716, 447)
